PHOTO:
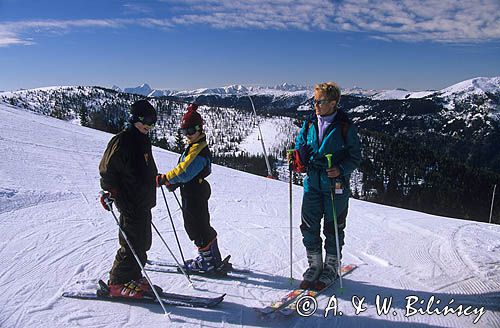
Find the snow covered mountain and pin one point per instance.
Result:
(400, 94)
(481, 91)
(484, 92)
(479, 86)
(229, 90)
(461, 121)
(55, 234)
(143, 89)
(287, 96)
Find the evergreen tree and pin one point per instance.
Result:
(83, 113)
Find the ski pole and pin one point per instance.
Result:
(178, 203)
(173, 227)
(332, 193)
(180, 206)
(289, 153)
(171, 253)
(110, 207)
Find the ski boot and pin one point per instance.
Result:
(312, 273)
(330, 272)
(146, 287)
(130, 289)
(208, 259)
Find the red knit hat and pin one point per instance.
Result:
(192, 118)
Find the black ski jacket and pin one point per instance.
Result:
(128, 168)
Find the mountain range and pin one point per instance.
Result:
(229, 90)
(475, 85)
(462, 120)
(415, 144)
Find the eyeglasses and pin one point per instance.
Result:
(148, 120)
(189, 131)
(321, 102)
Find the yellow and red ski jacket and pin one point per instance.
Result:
(194, 163)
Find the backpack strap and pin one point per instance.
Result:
(344, 125)
(345, 128)
(306, 131)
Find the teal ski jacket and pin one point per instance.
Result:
(340, 139)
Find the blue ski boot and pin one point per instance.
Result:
(208, 259)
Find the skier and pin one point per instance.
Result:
(128, 173)
(330, 132)
(193, 167)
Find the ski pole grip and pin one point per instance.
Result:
(108, 203)
(329, 159)
(289, 154)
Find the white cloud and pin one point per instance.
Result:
(8, 38)
(11, 33)
(137, 8)
(397, 20)
(425, 20)
(404, 20)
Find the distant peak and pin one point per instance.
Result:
(143, 89)
(289, 87)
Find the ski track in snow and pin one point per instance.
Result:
(55, 234)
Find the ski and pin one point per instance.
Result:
(282, 302)
(224, 271)
(170, 299)
(288, 303)
(228, 267)
(214, 275)
(292, 307)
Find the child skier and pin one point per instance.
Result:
(193, 167)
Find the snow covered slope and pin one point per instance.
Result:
(54, 233)
(479, 86)
(401, 94)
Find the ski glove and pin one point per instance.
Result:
(171, 187)
(296, 164)
(107, 198)
(161, 179)
(305, 152)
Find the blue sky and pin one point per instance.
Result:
(412, 44)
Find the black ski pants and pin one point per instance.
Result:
(137, 227)
(195, 195)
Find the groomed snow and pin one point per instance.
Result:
(55, 233)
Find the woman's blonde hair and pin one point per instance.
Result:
(331, 89)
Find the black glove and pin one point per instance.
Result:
(107, 198)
